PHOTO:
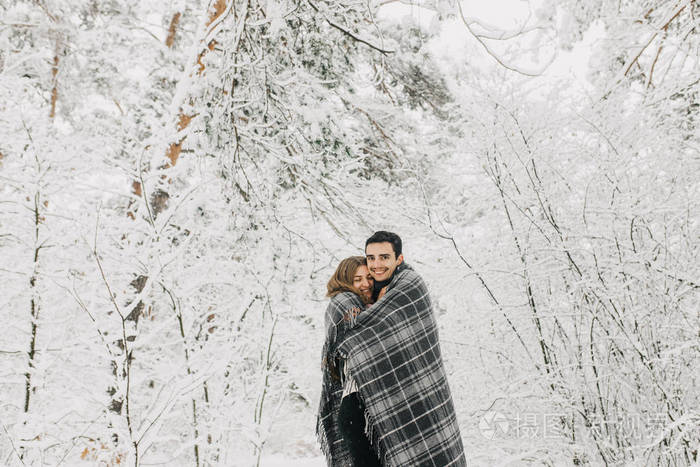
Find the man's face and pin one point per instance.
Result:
(382, 260)
(363, 282)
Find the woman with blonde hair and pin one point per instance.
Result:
(340, 426)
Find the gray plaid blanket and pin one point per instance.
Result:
(393, 353)
(340, 317)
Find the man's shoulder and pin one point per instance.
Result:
(405, 274)
(406, 270)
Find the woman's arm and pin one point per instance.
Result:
(342, 310)
(339, 318)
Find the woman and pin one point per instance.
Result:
(341, 420)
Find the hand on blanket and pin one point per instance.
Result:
(382, 292)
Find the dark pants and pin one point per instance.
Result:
(351, 423)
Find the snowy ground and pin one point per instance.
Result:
(279, 460)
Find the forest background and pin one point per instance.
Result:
(179, 179)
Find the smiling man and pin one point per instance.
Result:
(392, 355)
(384, 256)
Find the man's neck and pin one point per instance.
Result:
(379, 285)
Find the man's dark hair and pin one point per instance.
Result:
(384, 236)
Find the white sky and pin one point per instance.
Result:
(506, 14)
(456, 43)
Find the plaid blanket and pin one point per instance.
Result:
(340, 317)
(392, 352)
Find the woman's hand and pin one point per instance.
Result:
(382, 292)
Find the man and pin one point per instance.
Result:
(384, 256)
(393, 356)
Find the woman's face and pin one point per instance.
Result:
(363, 282)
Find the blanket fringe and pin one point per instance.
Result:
(369, 426)
(373, 437)
(322, 439)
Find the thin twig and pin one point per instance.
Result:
(12, 444)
